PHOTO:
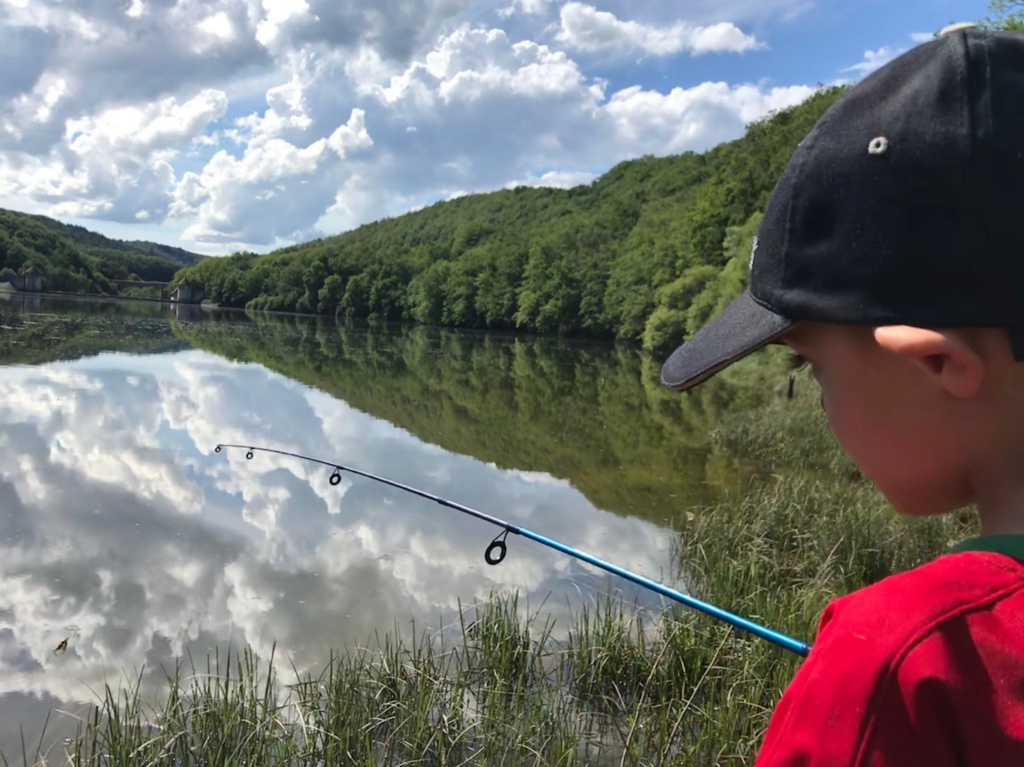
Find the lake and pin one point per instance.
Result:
(126, 534)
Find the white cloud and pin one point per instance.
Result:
(219, 26)
(54, 92)
(879, 58)
(585, 28)
(279, 13)
(366, 111)
(528, 7)
(351, 135)
(396, 28)
(651, 122)
(875, 60)
(116, 163)
(150, 52)
(666, 12)
(273, 191)
(153, 50)
(162, 125)
(562, 179)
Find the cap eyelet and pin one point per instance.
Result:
(878, 145)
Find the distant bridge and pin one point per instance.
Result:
(122, 284)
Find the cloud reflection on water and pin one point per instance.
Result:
(119, 521)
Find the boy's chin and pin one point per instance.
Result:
(924, 507)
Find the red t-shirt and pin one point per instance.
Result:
(922, 668)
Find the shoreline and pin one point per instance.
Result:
(209, 306)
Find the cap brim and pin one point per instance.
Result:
(742, 327)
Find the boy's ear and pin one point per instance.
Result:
(946, 357)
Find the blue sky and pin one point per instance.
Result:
(220, 125)
(815, 45)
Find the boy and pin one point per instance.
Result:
(891, 257)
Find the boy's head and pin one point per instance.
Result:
(891, 256)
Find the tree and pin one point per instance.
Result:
(427, 293)
(731, 280)
(666, 326)
(329, 297)
(1008, 15)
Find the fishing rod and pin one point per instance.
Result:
(498, 548)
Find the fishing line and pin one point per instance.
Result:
(497, 549)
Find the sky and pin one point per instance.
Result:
(227, 125)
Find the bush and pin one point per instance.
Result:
(664, 330)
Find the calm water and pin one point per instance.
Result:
(122, 531)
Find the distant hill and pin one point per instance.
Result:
(74, 259)
(646, 252)
(89, 239)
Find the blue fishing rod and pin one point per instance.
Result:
(497, 549)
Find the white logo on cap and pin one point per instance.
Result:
(753, 250)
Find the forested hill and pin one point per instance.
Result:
(95, 242)
(74, 259)
(645, 252)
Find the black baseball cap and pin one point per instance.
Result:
(903, 205)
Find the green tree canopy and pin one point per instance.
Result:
(1006, 14)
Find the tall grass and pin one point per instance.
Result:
(625, 688)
